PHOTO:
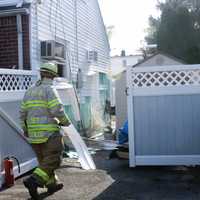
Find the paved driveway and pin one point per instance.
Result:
(114, 180)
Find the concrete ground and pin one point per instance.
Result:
(114, 180)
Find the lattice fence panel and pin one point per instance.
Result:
(13, 82)
(165, 78)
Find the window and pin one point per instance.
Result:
(9, 42)
(92, 56)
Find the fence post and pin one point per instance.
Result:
(130, 102)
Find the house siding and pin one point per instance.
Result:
(83, 28)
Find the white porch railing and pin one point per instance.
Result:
(16, 80)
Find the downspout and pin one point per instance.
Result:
(20, 41)
(77, 60)
(76, 30)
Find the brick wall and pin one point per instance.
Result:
(9, 42)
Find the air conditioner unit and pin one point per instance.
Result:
(53, 50)
(92, 56)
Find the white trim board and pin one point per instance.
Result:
(175, 160)
(18, 72)
(98, 69)
(131, 132)
(13, 12)
(8, 96)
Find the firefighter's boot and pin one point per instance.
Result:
(52, 188)
(32, 185)
(54, 185)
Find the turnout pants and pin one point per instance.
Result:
(49, 158)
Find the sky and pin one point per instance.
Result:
(130, 19)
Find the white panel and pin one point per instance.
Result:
(131, 121)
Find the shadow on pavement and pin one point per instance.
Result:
(146, 183)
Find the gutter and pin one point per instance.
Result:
(13, 12)
(15, 3)
(20, 41)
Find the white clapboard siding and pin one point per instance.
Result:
(81, 25)
(91, 32)
(53, 19)
(34, 42)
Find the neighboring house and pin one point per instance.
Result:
(158, 59)
(118, 65)
(70, 33)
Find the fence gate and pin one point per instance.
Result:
(164, 115)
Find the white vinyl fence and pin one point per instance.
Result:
(164, 115)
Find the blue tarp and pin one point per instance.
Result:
(123, 133)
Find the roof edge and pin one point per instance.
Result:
(163, 53)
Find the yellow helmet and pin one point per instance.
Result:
(49, 67)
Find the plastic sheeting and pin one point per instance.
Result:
(85, 158)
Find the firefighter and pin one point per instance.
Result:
(41, 116)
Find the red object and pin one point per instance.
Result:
(9, 175)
